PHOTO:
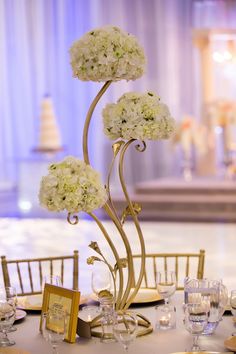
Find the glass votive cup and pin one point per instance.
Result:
(89, 312)
(165, 317)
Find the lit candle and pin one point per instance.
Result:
(164, 321)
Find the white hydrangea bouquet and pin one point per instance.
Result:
(138, 116)
(72, 185)
(109, 54)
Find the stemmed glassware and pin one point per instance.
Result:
(101, 280)
(125, 328)
(195, 320)
(7, 314)
(51, 279)
(11, 295)
(210, 293)
(54, 328)
(223, 299)
(166, 285)
(101, 285)
(233, 306)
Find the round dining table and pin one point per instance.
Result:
(28, 337)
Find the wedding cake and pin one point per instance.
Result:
(49, 134)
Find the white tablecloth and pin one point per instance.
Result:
(28, 337)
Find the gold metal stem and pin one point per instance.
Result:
(125, 303)
(106, 207)
(116, 255)
(128, 252)
(116, 149)
(88, 119)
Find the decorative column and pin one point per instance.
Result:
(206, 164)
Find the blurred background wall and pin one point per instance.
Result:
(35, 37)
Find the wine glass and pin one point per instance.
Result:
(166, 284)
(233, 306)
(101, 280)
(7, 315)
(51, 279)
(9, 293)
(195, 320)
(125, 328)
(54, 328)
(223, 299)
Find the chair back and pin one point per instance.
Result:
(28, 273)
(184, 265)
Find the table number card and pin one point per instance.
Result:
(56, 299)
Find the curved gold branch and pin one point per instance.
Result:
(70, 217)
(88, 119)
(115, 253)
(116, 149)
(125, 303)
(106, 207)
(119, 227)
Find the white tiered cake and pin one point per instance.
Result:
(49, 134)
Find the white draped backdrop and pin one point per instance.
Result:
(35, 36)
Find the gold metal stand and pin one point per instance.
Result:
(123, 295)
(144, 327)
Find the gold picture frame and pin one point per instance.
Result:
(65, 299)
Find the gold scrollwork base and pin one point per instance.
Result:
(144, 327)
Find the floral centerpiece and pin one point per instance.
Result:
(109, 54)
(190, 134)
(105, 54)
(72, 185)
(222, 113)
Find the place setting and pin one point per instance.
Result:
(204, 305)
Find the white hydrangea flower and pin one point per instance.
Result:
(107, 53)
(72, 185)
(138, 116)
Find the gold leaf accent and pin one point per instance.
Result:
(126, 212)
(105, 293)
(92, 259)
(95, 247)
(123, 262)
(117, 146)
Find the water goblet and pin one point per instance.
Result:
(166, 284)
(51, 279)
(195, 320)
(206, 292)
(125, 328)
(54, 328)
(9, 293)
(7, 318)
(233, 306)
(223, 299)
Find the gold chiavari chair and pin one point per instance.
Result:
(184, 265)
(32, 270)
